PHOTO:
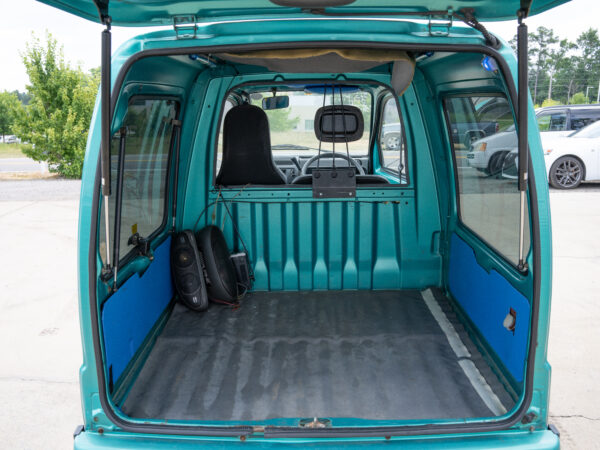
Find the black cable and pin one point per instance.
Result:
(333, 123)
(319, 125)
(464, 15)
(344, 121)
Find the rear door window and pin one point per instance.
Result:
(149, 125)
(488, 202)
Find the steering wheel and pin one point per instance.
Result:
(356, 164)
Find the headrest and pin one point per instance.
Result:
(337, 123)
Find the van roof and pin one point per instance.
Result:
(141, 13)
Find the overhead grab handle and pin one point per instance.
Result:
(523, 147)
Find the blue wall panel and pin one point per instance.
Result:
(129, 314)
(487, 297)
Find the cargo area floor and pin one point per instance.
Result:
(384, 355)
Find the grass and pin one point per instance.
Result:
(11, 151)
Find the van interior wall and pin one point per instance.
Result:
(391, 238)
(297, 243)
(485, 290)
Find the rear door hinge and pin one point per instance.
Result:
(439, 25)
(185, 26)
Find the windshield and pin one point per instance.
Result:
(293, 128)
(591, 131)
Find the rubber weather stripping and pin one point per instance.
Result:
(281, 432)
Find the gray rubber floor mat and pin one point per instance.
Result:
(364, 354)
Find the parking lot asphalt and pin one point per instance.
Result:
(20, 165)
(39, 326)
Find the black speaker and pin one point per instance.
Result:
(221, 276)
(187, 271)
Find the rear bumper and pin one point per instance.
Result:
(507, 440)
(477, 160)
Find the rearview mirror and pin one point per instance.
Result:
(275, 102)
(339, 123)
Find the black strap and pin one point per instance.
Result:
(320, 140)
(344, 122)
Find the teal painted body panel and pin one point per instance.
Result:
(138, 13)
(525, 440)
(292, 254)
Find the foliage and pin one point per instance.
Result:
(579, 99)
(280, 120)
(550, 102)
(558, 67)
(23, 97)
(9, 109)
(56, 121)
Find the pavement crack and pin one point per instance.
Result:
(574, 416)
(37, 380)
(8, 213)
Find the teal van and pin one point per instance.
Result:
(384, 292)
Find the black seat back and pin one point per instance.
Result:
(247, 154)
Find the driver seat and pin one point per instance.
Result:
(247, 157)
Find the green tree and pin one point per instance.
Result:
(587, 62)
(24, 97)
(56, 121)
(579, 99)
(280, 120)
(10, 107)
(550, 102)
(558, 68)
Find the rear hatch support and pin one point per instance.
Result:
(105, 91)
(523, 94)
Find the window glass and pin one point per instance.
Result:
(484, 144)
(579, 122)
(553, 121)
(293, 128)
(147, 147)
(392, 142)
(593, 131)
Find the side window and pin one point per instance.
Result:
(487, 194)
(147, 150)
(579, 122)
(392, 142)
(554, 121)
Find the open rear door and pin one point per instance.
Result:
(159, 12)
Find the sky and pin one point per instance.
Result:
(81, 38)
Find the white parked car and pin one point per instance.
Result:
(10, 139)
(488, 154)
(574, 158)
(570, 160)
